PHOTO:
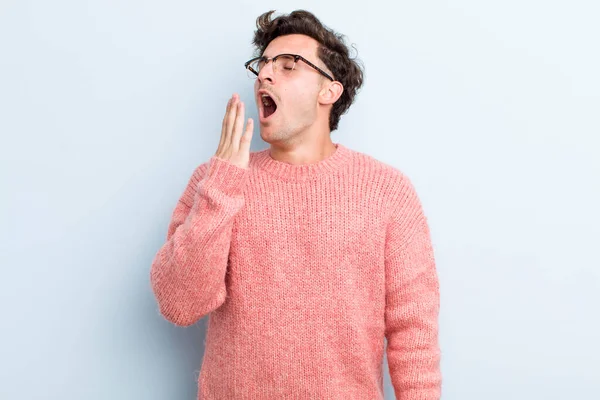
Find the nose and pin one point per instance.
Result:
(266, 73)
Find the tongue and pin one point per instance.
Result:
(270, 109)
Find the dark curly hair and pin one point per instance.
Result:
(332, 51)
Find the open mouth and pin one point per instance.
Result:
(269, 106)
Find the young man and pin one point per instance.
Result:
(307, 254)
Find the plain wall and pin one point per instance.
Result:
(106, 108)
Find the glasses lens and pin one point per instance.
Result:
(285, 64)
(255, 66)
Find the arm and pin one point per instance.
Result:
(188, 272)
(412, 302)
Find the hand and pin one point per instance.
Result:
(235, 146)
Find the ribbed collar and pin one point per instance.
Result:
(301, 172)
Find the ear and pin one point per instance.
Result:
(330, 92)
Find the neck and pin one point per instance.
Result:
(304, 171)
(307, 147)
(306, 152)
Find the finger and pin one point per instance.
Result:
(247, 137)
(230, 120)
(238, 126)
(224, 124)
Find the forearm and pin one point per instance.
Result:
(188, 272)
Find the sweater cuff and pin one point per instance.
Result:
(226, 177)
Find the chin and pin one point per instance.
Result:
(267, 133)
(272, 135)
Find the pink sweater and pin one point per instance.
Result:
(303, 270)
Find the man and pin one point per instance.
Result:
(307, 254)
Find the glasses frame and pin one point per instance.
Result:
(274, 58)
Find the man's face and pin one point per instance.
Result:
(295, 94)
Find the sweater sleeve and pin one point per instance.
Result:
(412, 302)
(188, 272)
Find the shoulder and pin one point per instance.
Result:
(392, 184)
(390, 176)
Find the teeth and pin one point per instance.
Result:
(266, 100)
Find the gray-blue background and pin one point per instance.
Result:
(106, 107)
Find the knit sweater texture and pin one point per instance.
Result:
(303, 270)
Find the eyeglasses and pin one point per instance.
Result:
(283, 64)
